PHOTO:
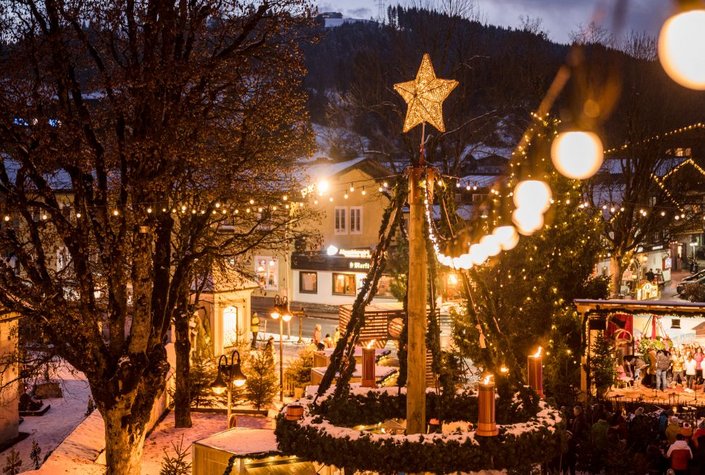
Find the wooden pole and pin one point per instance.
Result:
(416, 356)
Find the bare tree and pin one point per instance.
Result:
(133, 132)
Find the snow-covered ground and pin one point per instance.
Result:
(52, 428)
(204, 425)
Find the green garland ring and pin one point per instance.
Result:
(518, 447)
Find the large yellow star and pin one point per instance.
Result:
(424, 97)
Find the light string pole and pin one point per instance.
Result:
(281, 312)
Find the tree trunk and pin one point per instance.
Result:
(182, 392)
(615, 275)
(124, 441)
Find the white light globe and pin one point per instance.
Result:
(507, 236)
(445, 260)
(332, 250)
(478, 255)
(527, 220)
(532, 194)
(464, 261)
(491, 244)
(680, 48)
(577, 154)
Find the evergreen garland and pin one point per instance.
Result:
(518, 448)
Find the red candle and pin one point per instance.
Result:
(368, 366)
(535, 372)
(487, 426)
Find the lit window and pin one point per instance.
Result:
(308, 282)
(340, 222)
(344, 284)
(267, 271)
(356, 220)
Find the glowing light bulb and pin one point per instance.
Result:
(577, 154)
(507, 236)
(527, 220)
(323, 186)
(680, 48)
(491, 244)
(533, 194)
(478, 254)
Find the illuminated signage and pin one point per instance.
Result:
(360, 265)
(355, 253)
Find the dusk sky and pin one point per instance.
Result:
(559, 17)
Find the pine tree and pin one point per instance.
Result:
(602, 364)
(261, 379)
(176, 464)
(13, 463)
(519, 298)
(36, 454)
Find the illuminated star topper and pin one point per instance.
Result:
(424, 97)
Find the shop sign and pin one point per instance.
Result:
(359, 265)
(355, 253)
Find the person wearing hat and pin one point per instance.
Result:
(673, 429)
(254, 327)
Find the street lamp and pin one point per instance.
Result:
(228, 374)
(281, 312)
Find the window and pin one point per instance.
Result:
(267, 271)
(344, 284)
(340, 223)
(356, 220)
(308, 282)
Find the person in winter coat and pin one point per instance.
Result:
(663, 364)
(680, 455)
(690, 371)
(317, 335)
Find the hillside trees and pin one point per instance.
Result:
(139, 139)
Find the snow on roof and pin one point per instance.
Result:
(242, 441)
(481, 181)
(329, 169)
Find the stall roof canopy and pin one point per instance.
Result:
(654, 307)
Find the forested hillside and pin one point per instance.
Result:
(503, 74)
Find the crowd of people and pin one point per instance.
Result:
(637, 442)
(666, 368)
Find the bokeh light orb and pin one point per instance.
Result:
(463, 261)
(478, 254)
(532, 194)
(527, 220)
(491, 244)
(507, 236)
(577, 154)
(680, 48)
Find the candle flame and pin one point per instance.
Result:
(371, 344)
(504, 370)
(487, 379)
(538, 353)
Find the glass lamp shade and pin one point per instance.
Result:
(577, 154)
(527, 220)
(491, 244)
(532, 194)
(478, 254)
(275, 313)
(286, 316)
(680, 48)
(239, 379)
(218, 386)
(507, 237)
